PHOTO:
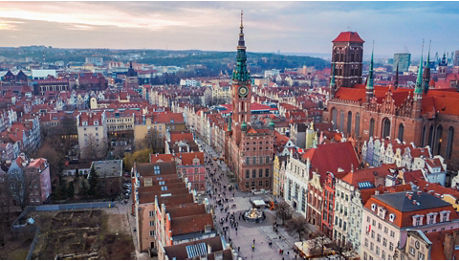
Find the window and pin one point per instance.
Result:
(412, 250)
(391, 246)
(152, 233)
(254, 173)
(357, 124)
(372, 234)
(260, 183)
(378, 238)
(151, 213)
(401, 129)
(260, 173)
(372, 127)
(152, 223)
(449, 144)
(384, 242)
(383, 254)
(377, 250)
(365, 256)
(420, 256)
(267, 172)
(366, 242)
(349, 122)
(392, 233)
(372, 246)
(247, 173)
(344, 225)
(368, 219)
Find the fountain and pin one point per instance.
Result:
(254, 215)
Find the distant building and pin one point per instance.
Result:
(97, 61)
(456, 58)
(403, 60)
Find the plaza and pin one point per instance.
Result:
(242, 237)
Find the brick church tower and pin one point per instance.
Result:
(347, 59)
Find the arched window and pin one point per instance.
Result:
(357, 124)
(341, 121)
(423, 136)
(372, 127)
(349, 123)
(334, 117)
(385, 128)
(401, 129)
(430, 141)
(449, 145)
(438, 139)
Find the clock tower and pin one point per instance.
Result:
(241, 88)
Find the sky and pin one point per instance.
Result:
(288, 27)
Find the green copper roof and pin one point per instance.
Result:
(418, 89)
(370, 81)
(243, 126)
(240, 73)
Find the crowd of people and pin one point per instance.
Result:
(221, 199)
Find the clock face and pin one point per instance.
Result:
(243, 91)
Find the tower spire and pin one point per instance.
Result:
(370, 80)
(418, 88)
(426, 73)
(396, 78)
(241, 73)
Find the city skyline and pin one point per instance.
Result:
(288, 27)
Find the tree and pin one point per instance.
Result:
(93, 182)
(94, 150)
(284, 211)
(71, 190)
(21, 183)
(299, 225)
(84, 189)
(142, 156)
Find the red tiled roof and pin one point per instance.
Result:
(438, 239)
(331, 157)
(168, 117)
(412, 176)
(349, 37)
(154, 158)
(367, 174)
(176, 137)
(188, 157)
(191, 224)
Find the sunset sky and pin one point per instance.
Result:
(304, 27)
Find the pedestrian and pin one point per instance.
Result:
(238, 248)
(253, 247)
(280, 251)
(253, 240)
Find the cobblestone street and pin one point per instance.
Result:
(242, 239)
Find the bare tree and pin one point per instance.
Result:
(299, 225)
(284, 211)
(20, 184)
(94, 149)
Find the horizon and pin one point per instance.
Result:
(270, 27)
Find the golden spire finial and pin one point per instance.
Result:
(242, 13)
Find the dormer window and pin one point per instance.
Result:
(96, 123)
(431, 218)
(417, 220)
(85, 123)
(391, 217)
(373, 207)
(444, 215)
(381, 212)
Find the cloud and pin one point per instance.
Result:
(269, 26)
